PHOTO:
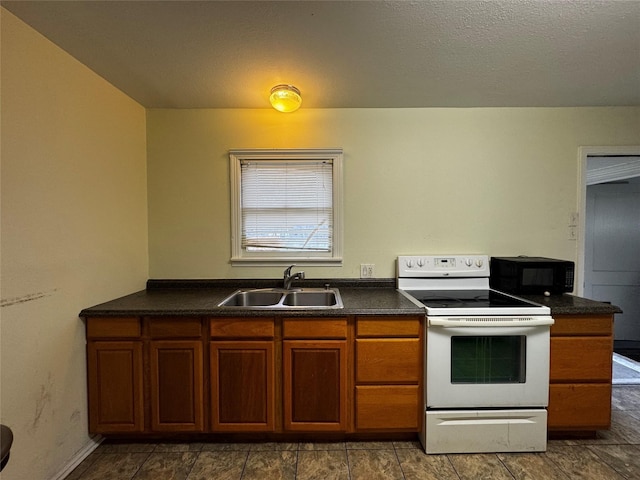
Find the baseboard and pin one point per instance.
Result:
(93, 443)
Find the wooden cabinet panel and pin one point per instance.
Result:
(579, 406)
(314, 327)
(113, 327)
(580, 373)
(315, 385)
(115, 387)
(176, 386)
(388, 326)
(581, 325)
(381, 407)
(242, 386)
(172, 327)
(394, 360)
(242, 327)
(581, 359)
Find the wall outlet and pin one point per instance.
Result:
(573, 232)
(367, 270)
(573, 219)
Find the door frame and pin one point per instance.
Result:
(583, 154)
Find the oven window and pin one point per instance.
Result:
(488, 359)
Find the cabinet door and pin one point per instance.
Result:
(392, 360)
(176, 386)
(581, 359)
(388, 407)
(315, 385)
(579, 406)
(242, 386)
(115, 387)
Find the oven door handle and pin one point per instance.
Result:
(451, 322)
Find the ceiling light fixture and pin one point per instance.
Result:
(285, 98)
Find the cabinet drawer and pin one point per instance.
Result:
(388, 326)
(582, 325)
(394, 360)
(314, 327)
(579, 406)
(113, 327)
(387, 407)
(242, 328)
(173, 327)
(582, 359)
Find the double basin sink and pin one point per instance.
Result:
(281, 299)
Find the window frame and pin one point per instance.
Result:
(239, 256)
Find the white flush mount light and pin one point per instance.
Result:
(285, 98)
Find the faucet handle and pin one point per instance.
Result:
(287, 271)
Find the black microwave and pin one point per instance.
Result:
(531, 275)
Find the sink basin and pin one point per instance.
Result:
(253, 298)
(323, 298)
(280, 299)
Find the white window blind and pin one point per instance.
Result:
(287, 206)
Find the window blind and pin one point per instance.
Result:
(287, 206)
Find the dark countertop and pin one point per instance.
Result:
(195, 298)
(571, 305)
(360, 297)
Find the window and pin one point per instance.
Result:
(286, 206)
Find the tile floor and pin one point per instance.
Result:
(613, 454)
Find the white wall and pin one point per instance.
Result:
(500, 181)
(74, 233)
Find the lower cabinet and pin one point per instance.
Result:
(388, 391)
(165, 375)
(176, 376)
(176, 386)
(314, 365)
(116, 401)
(115, 375)
(242, 374)
(580, 373)
(315, 385)
(242, 386)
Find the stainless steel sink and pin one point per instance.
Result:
(322, 298)
(280, 299)
(252, 298)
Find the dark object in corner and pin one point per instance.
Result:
(627, 348)
(6, 440)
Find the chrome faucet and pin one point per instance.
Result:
(288, 278)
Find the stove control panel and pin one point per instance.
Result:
(433, 266)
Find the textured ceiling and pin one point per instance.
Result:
(350, 54)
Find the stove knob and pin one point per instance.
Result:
(479, 262)
(410, 263)
(468, 262)
(421, 262)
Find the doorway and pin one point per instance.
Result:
(609, 252)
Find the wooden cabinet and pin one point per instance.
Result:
(388, 390)
(114, 372)
(166, 375)
(315, 374)
(580, 373)
(145, 375)
(176, 377)
(242, 357)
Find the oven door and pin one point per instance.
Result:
(502, 365)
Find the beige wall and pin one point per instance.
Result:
(74, 233)
(500, 181)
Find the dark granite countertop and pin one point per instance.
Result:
(571, 305)
(360, 297)
(201, 297)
